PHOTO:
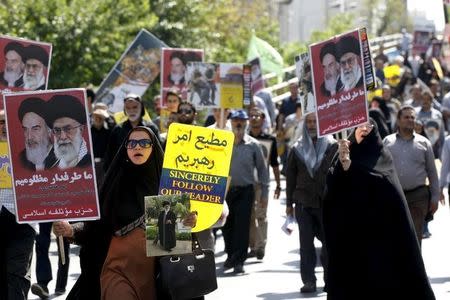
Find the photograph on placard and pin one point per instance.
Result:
(303, 71)
(339, 83)
(173, 70)
(24, 64)
(165, 226)
(203, 84)
(136, 69)
(51, 156)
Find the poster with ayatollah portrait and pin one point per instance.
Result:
(173, 68)
(52, 165)
(136, 69)
(24, 64)
(339, 85)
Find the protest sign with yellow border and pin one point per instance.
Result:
(197, 162)
(5, 167)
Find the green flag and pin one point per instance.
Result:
(271, 60)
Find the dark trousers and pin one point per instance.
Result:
(43, 266)
(310, 226)
(16, 251)
(237, 227)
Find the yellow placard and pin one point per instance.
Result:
(231, 95)
(5, 167)
(197, 161)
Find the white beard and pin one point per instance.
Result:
(33, 82)
(350, 79)
(133, 117)
(176, 78)
(330, 85)
(38, 153)
(11, 77)
(67, 152)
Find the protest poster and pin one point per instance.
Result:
(445, 50)
(197, 162)
(303, 71)
(173, 69)
(24, 64)
(164, 230)
(256, 77)
(52, 165)
(5, 167)
(215, 85)
(203, 84)
(231, 85)
(421, 41)
(339, 83)
(133, 73)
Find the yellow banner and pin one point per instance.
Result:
(197, 162)
(5, 167)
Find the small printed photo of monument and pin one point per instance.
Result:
(165, 232)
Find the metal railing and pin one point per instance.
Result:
(280, 91)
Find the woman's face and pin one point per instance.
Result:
(362, 131)
(139, 147)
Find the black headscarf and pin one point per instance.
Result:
(370, 153)
(126, 184)
(367, 226)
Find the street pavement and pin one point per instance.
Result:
(277, 276)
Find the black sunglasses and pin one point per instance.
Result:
(144, 143)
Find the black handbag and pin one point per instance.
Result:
(190, 275)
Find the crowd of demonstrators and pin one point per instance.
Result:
(389, 195)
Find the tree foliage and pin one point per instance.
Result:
(386, 17)
(89, 36)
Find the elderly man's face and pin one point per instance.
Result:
(133, 110)
(330, 67)
(37, 137)
(34, 73)
(311, 125)
(14, 62)
(2, 129)
(67, 138)
(349, 69)
(238, 127)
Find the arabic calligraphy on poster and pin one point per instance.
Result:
(197, 162)
(51, 186)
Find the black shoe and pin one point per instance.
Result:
(309, 287)
(251, 254)
(239, 269)
(260, 254)
(39, 290)
(60, 291)
(228, 264)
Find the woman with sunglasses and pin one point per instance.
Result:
(113, 250)
(367, 225)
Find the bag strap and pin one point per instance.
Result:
(196, 248)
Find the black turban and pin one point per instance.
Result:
(33, 104)
(328, 48)
(14, 46)
(347, 44)
(60, 106)
(36, 52)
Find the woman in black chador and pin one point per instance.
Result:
(368, 229)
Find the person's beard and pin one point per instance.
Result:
(239, 131)
(36, 152)
(32, 82)
(350, 78)
(176, 78)
(11, 76)
(133, 117)
(67, 151)
(330, 84)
